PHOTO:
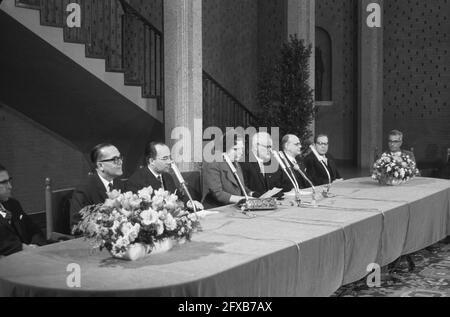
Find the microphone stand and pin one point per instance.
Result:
(234, 171)
(294, 183)
(325, 193)
(284, 157)
(183, 184)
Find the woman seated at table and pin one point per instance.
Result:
(220, 186)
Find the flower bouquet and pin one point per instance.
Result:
(394, 169)
(131, 226)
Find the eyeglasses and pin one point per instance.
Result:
(269, 147)
(6, 181)
(116, 160)
(395, 141)
(322, 143)
(165, 158)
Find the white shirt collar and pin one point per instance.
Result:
(260, 162)
(3, 214)
(105, 182)
(290, 157)
(157, 175)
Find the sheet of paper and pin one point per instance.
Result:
(271, 193)
(204, 213)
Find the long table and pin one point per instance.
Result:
(290, 251)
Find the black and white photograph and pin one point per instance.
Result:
(224, 154)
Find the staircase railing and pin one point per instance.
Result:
(221, 109)
(115, 31)
(141, 36)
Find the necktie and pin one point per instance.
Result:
(110, 187)
(5, 213)
(162, 182)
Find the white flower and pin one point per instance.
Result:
(122, 242)
(159, 227)
(125, 212)
(111, 203)
(130, 232)
(114, 194)
(170, 223)
(172, 199)
(146, 194)
(149, 216)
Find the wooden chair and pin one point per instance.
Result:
(57, 210)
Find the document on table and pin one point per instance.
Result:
(271, 193)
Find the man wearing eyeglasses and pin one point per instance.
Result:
(155, 173)
(259, 173)
(315, 166)
(395, 142)
(107, 162)
(17, 231)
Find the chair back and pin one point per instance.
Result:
(57, 210)
(194, 184)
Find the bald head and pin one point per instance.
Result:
(291, 145)
(262, 145)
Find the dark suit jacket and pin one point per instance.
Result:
(219, 184)
(143, 177)
(300, 180)
(21, 230)
(316, 172)
(260, 183)
(91, 192)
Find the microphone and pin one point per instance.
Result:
(283, 155)
(293, 181)
(233, 169)
(313, 149)
(183, 184)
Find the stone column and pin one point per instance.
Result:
(183, 79)
(301, 20)
(370, 81)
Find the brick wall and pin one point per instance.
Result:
(31, 153)
(417, 75)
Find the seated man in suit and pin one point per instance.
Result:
(321, 170)
(107, 161)
(292, 148)
(395, 142)
(156, 173)
(259, 173)
(17, 231)
(220, 186)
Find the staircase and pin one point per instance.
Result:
(114, 31)
(101, 82)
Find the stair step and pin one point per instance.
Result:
(29, 4)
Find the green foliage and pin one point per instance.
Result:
(284, 96)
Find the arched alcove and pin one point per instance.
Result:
(323, 66)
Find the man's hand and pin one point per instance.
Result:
(197, 204)
(29, 247)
